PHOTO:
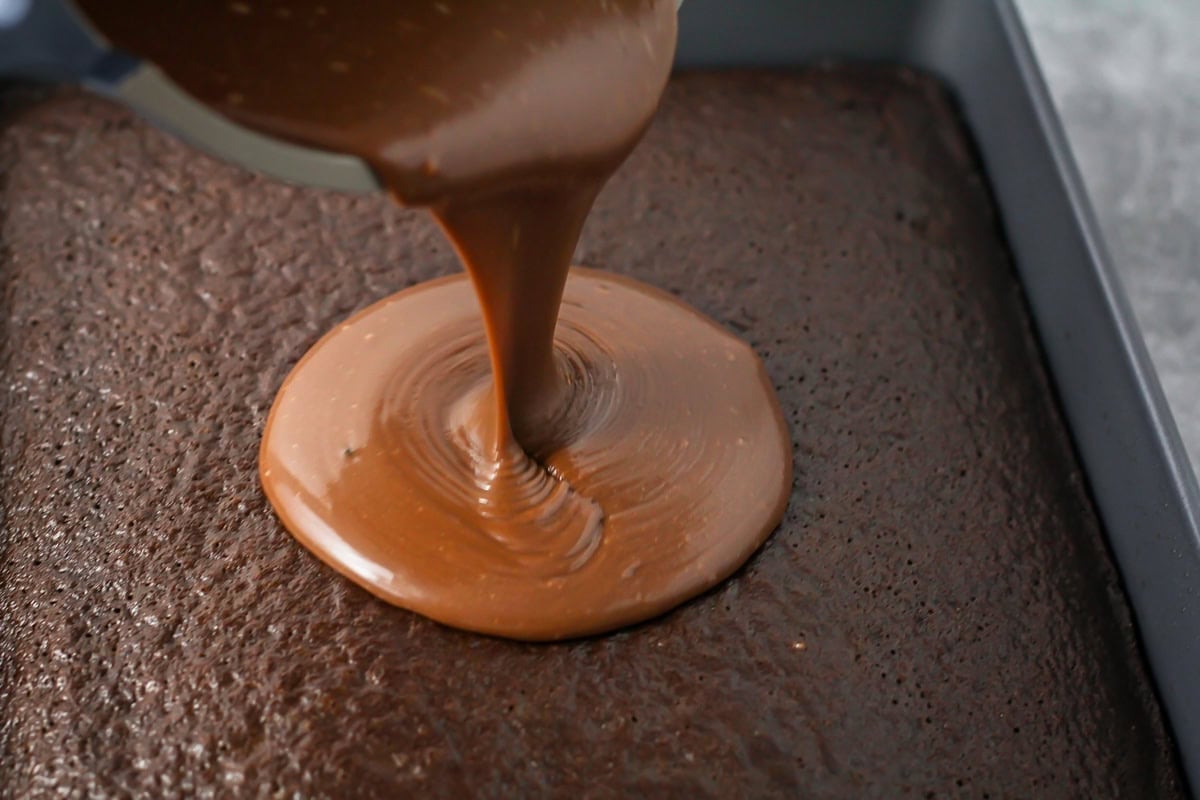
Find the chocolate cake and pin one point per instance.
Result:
(936, 616)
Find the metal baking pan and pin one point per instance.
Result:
(1139, 475)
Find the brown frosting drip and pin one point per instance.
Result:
(626, 510)
(509, 478)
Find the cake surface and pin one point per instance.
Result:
(937, 614)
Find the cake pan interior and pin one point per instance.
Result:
(1141, 479)
(937, 612)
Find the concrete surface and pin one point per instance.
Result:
(1125, 75)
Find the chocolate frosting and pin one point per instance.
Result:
(662, 470)
(586, 481)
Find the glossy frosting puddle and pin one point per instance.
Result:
(668, 467)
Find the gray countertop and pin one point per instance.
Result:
(1125, 75)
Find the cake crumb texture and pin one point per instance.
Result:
(937, 616)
